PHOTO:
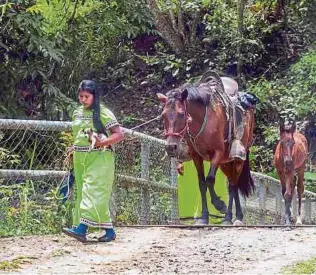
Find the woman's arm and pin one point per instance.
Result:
(116, 136)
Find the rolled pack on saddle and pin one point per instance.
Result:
(224, 90)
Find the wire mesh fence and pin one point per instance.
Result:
(32, 170)
(266, 205)
(145, 190)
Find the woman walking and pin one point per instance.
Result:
(93, 167)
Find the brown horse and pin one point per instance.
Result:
(289, 157)
(198, 115)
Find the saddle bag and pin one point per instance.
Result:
(247, 100)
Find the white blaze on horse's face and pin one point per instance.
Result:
(287, 144)
(175, 121)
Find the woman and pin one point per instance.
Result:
(93, 167)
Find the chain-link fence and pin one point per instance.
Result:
(31, 172)
(266, 205)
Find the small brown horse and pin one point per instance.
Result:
(289, 157)
(198, 116)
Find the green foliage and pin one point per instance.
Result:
(261, 154)
(304, 267)
(161, 208)
(310, 181)
(129, 119)
(7, 158)
(27, 55)
(290, 94)
(15, 264)
(48, 47)
(26, 209)
(57, 44)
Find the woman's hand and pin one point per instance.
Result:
(180, 168)
(99, 142)
(116, 136)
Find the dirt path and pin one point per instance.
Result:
(161, 250)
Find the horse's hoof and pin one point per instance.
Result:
(238, 223)
(201, 221)
(287, 228)
(226, 222)
(299, 221)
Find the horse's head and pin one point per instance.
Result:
(287, 143)
(176, 119)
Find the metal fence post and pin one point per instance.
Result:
(278, 202)
(174, 196)
(262, 201)
(145, 194)
(308, 210)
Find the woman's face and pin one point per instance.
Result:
(86, 99)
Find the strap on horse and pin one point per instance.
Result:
(218, 90)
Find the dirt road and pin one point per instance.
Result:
(164, 250)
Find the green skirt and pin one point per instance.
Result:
(94, 177)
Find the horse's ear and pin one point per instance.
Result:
(162, 97)
(282, 126)
(184, 94)
(293, 127)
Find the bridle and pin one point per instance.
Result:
(188, 120)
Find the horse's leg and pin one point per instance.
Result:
(234, 195)
(283, 194)
(198, 162)
(210, 182)
(229, 213)
(288, 199)
(227, 168)
(300, 191)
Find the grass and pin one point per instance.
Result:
(305, 267)
(15, 263)
(310, 176)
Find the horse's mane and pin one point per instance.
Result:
(200, 92)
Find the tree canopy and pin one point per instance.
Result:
(48, 46)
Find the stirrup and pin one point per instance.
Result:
(237, 150)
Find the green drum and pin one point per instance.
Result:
(189, 197)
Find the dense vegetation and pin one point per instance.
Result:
(135, 49)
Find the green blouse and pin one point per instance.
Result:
(83, 120)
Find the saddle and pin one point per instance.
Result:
(235, 113)
(230, 86)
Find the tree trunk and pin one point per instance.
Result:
(165, 25)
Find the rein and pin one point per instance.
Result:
(193, 138)
(186, 129)
(147, 122)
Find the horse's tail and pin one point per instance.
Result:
(245, 182)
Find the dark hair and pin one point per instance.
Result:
(92, 87)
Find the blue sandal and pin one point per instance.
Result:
(71, 232)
